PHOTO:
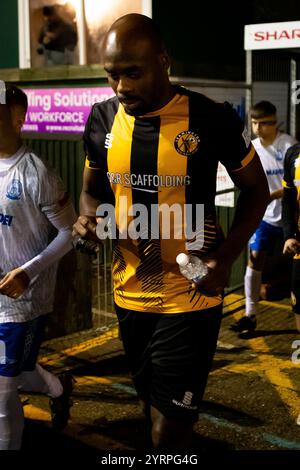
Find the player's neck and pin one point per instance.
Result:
(10, 148)
(265, 142)
(170, 93)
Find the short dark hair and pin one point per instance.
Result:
(262, 109)
(14, 96)
(48, 10)
(137, 26)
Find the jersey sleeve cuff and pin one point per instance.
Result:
(287, 185)
(246, 160)
(91, 165)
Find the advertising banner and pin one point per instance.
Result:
(61, 110)
(272, 35)
(224, 182)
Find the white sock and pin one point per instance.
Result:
(252, 281)
(11, 414)
(41, 381)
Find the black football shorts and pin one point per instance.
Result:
(170, 356)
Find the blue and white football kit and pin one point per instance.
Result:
(269, 231)
(32, 202)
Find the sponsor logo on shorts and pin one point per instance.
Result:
(3, 358)
(186, 401)
(6, 360)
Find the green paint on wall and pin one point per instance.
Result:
(9, 50)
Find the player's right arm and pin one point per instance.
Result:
(276, 194)
(90, 196)
(96, 187)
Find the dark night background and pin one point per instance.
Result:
(205, 38)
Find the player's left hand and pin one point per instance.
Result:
(14, 283)
(216, 279)
(291, 247)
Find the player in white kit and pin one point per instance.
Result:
(271, 146)
(32, 202)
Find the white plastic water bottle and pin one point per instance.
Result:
(191, 267)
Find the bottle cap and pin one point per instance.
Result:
(182, 259)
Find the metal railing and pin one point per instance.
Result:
(102, 288)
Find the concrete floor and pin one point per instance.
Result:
(251, 402)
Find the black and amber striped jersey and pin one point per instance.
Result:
(291, 197)
(159, 172)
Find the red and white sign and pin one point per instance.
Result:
(272, 35)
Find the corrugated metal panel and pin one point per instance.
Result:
(225, 216)
(66, 156)
(270, 66)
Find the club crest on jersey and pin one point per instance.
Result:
(14, 190)
(187, 143)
